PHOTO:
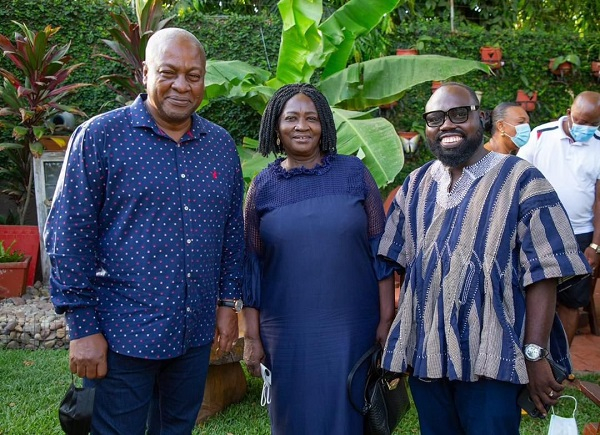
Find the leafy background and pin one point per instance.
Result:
(256, 38)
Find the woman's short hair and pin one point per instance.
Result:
(269, 124)
(499, 113)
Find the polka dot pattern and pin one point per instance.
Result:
(145, 233)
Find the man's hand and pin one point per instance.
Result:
(227, 330)
(543, 388)
(592, 258)
(87, 356)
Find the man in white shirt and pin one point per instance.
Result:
(567, 152)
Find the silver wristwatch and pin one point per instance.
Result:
(236, 304)
(533, 352)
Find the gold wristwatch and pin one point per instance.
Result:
(595, 247)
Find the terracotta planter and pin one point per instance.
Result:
(491, 56)
(27, 240)
(13, 278)
(595, 68)
(55, 143)
(406, 51)
(388, 106)
(562, 69)
(410, 140)
(528, 103)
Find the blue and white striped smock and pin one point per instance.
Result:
(468, 255)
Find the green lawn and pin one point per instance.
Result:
(33, 382)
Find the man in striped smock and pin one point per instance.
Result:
(481, 239)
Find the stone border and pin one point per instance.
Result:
(29, 322)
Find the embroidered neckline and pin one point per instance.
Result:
(318, 169)
(470, 174)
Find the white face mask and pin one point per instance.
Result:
(563, 425)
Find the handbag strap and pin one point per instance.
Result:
(374, 350)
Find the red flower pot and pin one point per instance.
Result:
(562, 69)
(27, 240)
(491, 56)
(595, 68)
(410, 140)
(388, 106)
(527, 102)
(406, 51)
(13, 278)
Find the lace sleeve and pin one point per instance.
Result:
(252, 271)
(251, 222)
(373, 206)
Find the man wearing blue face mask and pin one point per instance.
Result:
(567, 152)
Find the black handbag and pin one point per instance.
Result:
(386, 395)
(76, 408)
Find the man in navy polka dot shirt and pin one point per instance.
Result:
(145, 238)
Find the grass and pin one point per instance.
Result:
(33, 383)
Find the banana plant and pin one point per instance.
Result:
(309, 45)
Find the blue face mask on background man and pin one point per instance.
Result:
(522, 134)
(582, 133)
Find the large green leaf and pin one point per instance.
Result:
(252, 161)
(301, 49)
(237, 81)
(383, 80)
(347, 23)
(374, 140)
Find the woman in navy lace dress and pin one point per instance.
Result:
(313, 302)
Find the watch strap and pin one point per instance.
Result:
(595, 247)
(236, 304)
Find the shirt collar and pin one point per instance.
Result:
(141, 118)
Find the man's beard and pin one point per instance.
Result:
(455, 157)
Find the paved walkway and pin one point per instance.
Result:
(585, 350)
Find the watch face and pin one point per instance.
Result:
(238, 305)
(533, 352)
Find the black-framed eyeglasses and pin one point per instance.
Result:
(457, 115)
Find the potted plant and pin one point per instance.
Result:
(594, 56)
(411, 137)
(492, 56)
(564, 65)
(29, 101)
(527, 97)
(14, 266)
(416, 48)
(25, 239)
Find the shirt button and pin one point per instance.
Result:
(188, 309)
(182, 175)
(189, 275)
(189, 241)
(186, 208)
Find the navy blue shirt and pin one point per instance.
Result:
(145, 234)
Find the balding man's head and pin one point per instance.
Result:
(166, 37)
(174, 78)
(584, 116)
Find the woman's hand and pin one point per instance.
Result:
(254, 354)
